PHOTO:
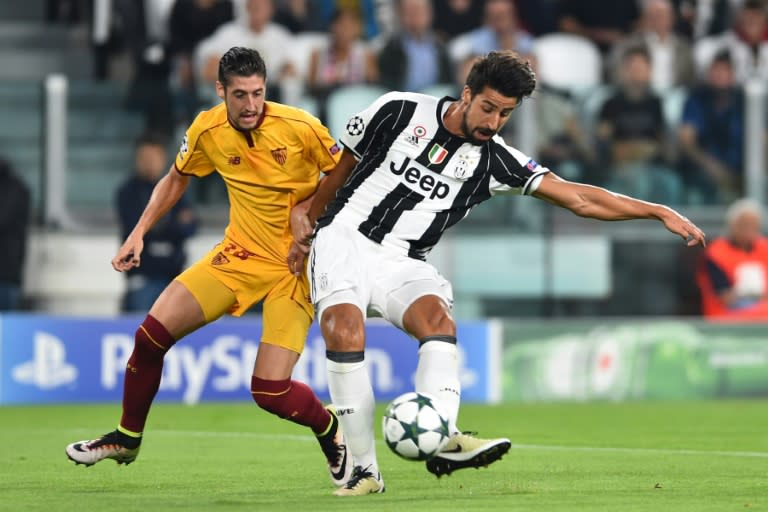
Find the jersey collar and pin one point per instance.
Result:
(247, 134)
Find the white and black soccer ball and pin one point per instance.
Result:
(415, 426)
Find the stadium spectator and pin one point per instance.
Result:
(146, 36)
(701, 18)
(14, 222)
(671, 55)
(711, 136)
(605, 22)
(744, 41)
(632, 135)
(346, 60)
(270, 155)
(255, 30)
(454, 17)
(191, 21)
(163, 257)
(414, 58)
(733, 275)
(562, 141)
(409, 185)
(501, 30)
(300, 16)
(538, 17)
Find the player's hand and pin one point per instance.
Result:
(680, 225)
(296, 256)
(129, 255)
(301, 229)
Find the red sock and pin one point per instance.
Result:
(292, 401)
(143, 372)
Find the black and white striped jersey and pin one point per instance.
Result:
(414, 179)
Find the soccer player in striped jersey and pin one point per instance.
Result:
(270, 157)
(412, 166)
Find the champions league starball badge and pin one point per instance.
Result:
(355, 126)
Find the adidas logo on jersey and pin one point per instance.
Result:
(426, 182)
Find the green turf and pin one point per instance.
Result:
(609, 457)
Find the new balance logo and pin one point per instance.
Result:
(48, 368)
(342, 412)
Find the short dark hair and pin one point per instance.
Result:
(503, 71)
(723, 56)
(240, 61)
(754, 5)
(638, 50)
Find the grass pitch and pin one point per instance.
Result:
(702, 456)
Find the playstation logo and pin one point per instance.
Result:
(48, 368)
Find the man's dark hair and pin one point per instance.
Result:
(239, 61)
(722, 57)
(503, 71)
(638, 50)
(754, 5)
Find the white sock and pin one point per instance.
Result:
(352, 396)
(438, 375)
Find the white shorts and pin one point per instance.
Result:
(345, 267)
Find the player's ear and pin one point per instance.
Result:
(220, 89)
(466, 95)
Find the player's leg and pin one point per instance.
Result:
(343, 327)
(429, 320)
(340, 283)
(286, 324)
(422, 309)
(179, 310)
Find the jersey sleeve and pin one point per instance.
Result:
(363, 127)
(321, 147)
(191, 159)
(513, 172)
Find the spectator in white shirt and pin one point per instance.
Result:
(257, 31)
(671, 56)
(744, 42)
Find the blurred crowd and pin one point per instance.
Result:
(662, 118)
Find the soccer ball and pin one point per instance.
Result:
(415, 426)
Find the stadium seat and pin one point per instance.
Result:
(567, 61)
(346, 101)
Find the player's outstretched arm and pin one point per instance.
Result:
(598, 203)
(166, 193)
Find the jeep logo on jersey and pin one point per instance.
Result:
(426, 182)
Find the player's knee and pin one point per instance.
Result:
(429, 317)
(152, 338)
(441, 322)
(270, 395)
(342, 332)
(268, 403)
